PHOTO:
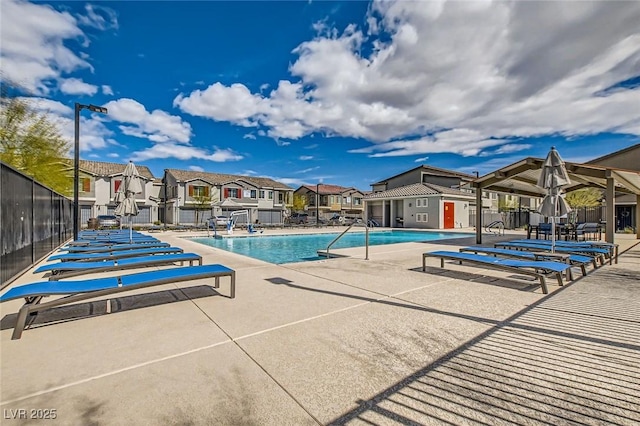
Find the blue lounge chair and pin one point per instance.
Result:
(113, 247)
(85, 257)
(536, 269)
(598, 253)
(612, 247)
(574, 259)
(91, 288)
(61, 270)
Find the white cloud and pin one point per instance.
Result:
(450, 76)
(420, 160)
(34, 37)
(196, 168)
(511, 148)
(100, 17)
(93, 133)
(107, 90)
(157, 125)
(75, 86)
(185, 152)
(305, 157)
(53, 108)
(249, 136)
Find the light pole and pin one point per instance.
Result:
(76, 162)
(318, 205)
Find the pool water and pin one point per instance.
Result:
(302, 248)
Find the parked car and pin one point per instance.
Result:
(218, 221)
(299, 218)
(344, 220)
(108, 221)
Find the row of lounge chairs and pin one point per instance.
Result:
(533, 258)
(100, 251)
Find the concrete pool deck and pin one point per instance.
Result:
(340, 341)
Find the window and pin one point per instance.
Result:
(261, 192)
(281, 197)
(84, 184)
(198, 191)
(231, 193)
(270, 197)
(116, 185)
(422, 202)
(422, 217)
(357, 201)
(254, 193)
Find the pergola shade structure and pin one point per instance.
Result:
(521, 179)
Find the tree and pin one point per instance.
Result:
(202, 203)
(299, 202)
(32, 143)
(586, 197)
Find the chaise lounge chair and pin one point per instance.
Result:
(61, 270)
(536, 269)
(112, 247)
(91, 288)
(612, 247)
(598, 253)
(110, 255)
(574, 259)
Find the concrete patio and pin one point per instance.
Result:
(340, 341)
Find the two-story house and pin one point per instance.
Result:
(325, 201)
(98, 183)
(192, 197)
(425, 197)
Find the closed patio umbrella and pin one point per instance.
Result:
(132, 186)
(553, 177)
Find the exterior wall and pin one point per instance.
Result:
(447, 182)
(461, 213)
(413, 176)
(411, 210)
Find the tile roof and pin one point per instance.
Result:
(417, 189)
(220, 178)
(325, 189)
(100, 168)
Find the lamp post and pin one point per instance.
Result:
(318, 205)
(76, 162)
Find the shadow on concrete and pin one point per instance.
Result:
(110, 306)
(562, 360)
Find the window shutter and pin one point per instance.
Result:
(206, 191)
(226, 193)
(190, 190)
(117, 184)
(86, 185)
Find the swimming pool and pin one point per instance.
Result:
(302, 248)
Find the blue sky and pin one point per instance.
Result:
(344, 93)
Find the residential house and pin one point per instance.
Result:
(626, 205)
(98, 183)
(325, 201)
(420, 205)
(192, 197)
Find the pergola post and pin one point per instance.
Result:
(611, 208)
(638, 216)
(478, 215)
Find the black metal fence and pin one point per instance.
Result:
(34, 221)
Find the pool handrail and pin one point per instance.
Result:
(366, 240)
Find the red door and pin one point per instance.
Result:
(449, 221)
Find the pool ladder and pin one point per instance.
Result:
(327, 254)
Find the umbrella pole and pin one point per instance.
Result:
(553, 225)
(131, 229)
